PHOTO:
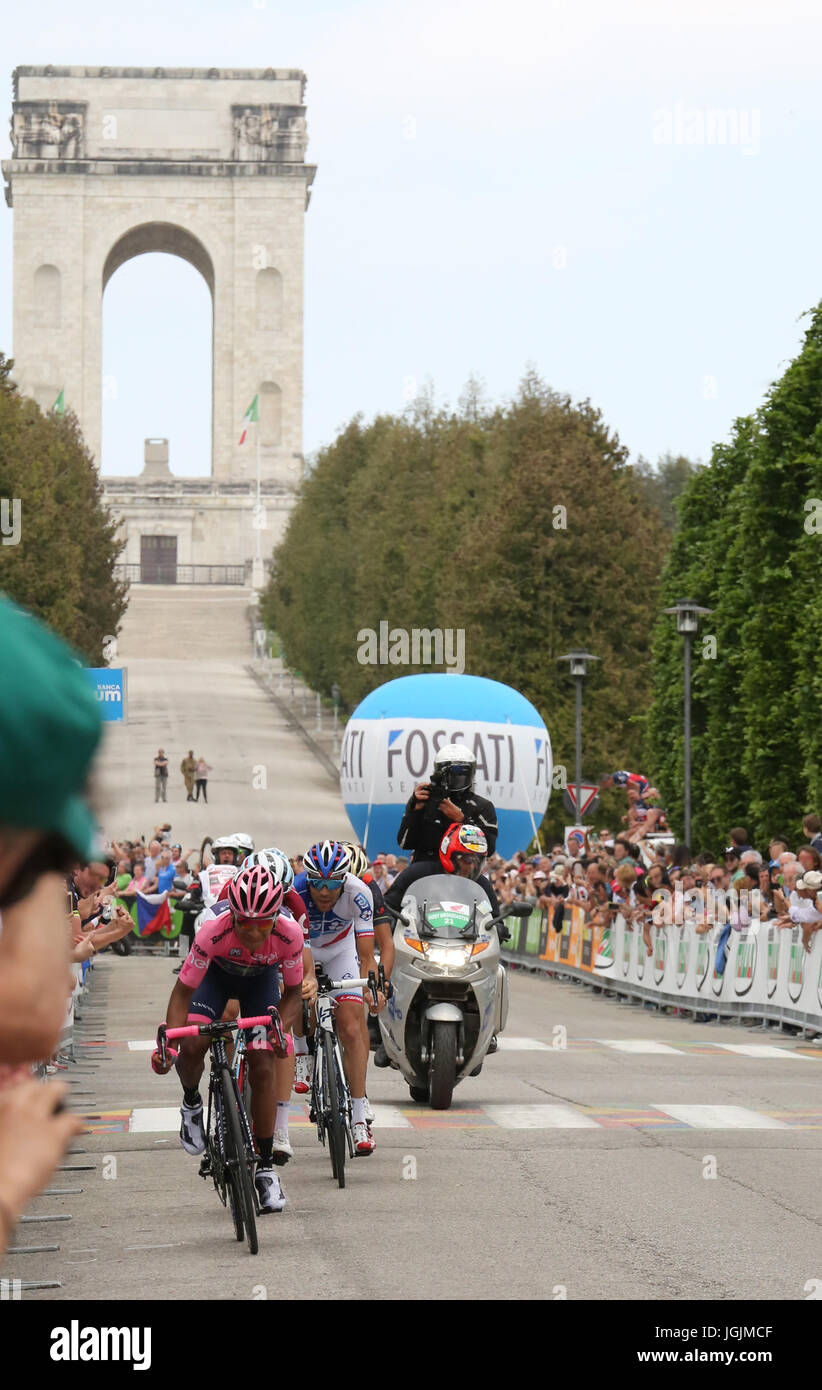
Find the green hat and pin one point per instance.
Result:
(49, 730)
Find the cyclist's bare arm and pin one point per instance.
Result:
(385, 941)
(177, 1014)
(291, 1006)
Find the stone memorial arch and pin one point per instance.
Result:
(206, 164)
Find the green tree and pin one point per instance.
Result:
(62, 567)
(522, 524)
(664, 483)
(747, 548)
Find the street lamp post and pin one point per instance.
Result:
(688, 614)
(578, 663)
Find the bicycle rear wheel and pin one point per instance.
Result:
(335, 1123)
(238, 1177)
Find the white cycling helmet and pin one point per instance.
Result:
(276, 861)
(243, 843)
(358, 859)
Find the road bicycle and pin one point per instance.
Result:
(330, 1106)
(229, 1156)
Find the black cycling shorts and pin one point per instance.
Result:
(255, 993)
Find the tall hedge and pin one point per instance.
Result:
(748, 546)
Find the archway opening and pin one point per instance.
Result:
(157, 329)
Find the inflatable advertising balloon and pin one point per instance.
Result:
(392, 737)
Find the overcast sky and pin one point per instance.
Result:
(497, 184)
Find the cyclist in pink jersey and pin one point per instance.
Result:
(284, 1067)
(238, 955)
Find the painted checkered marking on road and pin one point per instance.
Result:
(539, 1117)
(721, 1117)
(165, 1119)
(762, 1050)
(638, 1046)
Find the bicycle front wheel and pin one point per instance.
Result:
(238, 1175)
(334, 1119)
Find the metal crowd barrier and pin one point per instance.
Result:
(767, 973)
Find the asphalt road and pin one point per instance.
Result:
(609, 1196)
(186, 651)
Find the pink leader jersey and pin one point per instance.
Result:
(218, 941)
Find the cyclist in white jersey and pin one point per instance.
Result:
(341, 937)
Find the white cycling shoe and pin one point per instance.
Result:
(269, 1190)
(192, 1130)
(364, 1142)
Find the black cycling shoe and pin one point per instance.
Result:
(381, 1057)
(493, 1046)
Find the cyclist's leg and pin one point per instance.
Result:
(206, 1006)
(301, 1079)
(230, 1012)
(340, 963)
(256, 994)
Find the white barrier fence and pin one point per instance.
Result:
(767, 973)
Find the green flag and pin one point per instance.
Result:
(59, 406)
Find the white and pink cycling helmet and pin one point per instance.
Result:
(255, 893)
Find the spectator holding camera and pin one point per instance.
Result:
(447, 799)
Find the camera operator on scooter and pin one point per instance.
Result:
(447, 799)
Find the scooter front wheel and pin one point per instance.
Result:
(442, 1076)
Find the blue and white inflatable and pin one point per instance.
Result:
(393, 734)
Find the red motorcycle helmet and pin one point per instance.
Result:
(461, 842)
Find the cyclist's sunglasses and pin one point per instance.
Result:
(51, 855)
(327, 885)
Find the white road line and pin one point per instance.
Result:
(640, 1045)
(720, 1117)
(523, 1045)
(390, 1117)
(760, 1050)
(158, 1119)
(539, 1117)
(142, 1046)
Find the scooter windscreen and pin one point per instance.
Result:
(447, 907)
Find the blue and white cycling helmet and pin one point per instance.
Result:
(277, 864)
(327, 860)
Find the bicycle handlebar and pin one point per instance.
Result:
(324, 985)
(270, 1021)
(193, 1030)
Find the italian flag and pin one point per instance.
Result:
(59, 406)
(251, 415)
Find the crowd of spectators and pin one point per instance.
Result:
(656, 881)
